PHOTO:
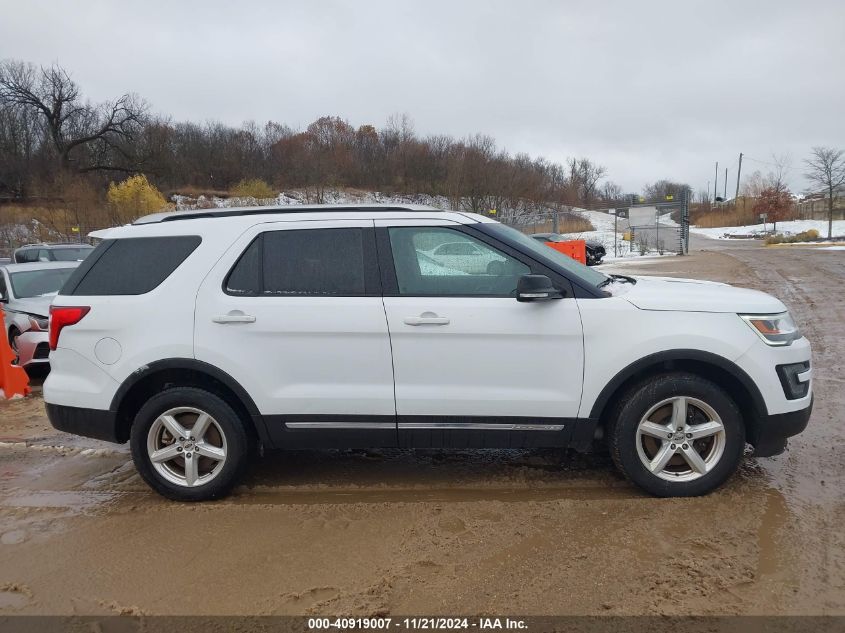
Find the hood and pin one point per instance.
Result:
(34, 305)
(693, 295)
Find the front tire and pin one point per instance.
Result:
(14, 333)
(189, 445)
(677, 435)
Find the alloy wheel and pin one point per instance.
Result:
(186, 446)
(680, 439)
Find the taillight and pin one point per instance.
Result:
(61, 316)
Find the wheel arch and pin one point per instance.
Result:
(726, 374)
(185, 372)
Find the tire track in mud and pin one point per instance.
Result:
(812, 285)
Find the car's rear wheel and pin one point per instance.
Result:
(677, 435)
(189, 444)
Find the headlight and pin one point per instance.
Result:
(774, 329)
(38, 323)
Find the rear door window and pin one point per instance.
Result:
(307, 262)
(130, 266)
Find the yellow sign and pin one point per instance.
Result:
(74, 229)
(492, 211)
(669, 196)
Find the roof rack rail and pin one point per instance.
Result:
(172, 216)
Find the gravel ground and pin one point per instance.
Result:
(400, 532)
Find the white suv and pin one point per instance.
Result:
(199, 336)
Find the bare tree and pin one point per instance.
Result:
(826, 169)
(584, 177)
(610, 192)
(663, 188)
(782, 164)
(85, 137)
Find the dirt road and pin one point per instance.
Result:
(453, 533)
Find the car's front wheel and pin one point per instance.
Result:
(14, 333)
(189, 444)
(677, 435)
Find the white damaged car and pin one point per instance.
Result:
(26, 291)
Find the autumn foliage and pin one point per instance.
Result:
(253, 188)
(774, 203)
(134, 197)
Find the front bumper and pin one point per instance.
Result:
(770, 435)
(96, 423)
(33, 348)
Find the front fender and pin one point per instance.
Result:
(18, 320)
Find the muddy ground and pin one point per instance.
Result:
(533, 532)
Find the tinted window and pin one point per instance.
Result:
(444, 262)
(130, 266)
(247, 276)
(313, 262)
(26, 256)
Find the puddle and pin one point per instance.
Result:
(14, 596)
(770, 535)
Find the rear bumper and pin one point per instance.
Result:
(772, 432)
(96, 423)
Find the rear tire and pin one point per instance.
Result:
(677, 435)
(189, 444)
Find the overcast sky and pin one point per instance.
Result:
(649, 89)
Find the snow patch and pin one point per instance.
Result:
(758, 231)
(604, 234)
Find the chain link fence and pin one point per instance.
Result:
(656, 227)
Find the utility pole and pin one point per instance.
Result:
(726, 183)
(657, 229)
(738, 171)
(716, 184)
(615, 231)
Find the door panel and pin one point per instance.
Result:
(318, 367)
(479, 370)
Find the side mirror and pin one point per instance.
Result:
(536, 288)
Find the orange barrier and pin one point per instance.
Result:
(576, 249)
(13, 379)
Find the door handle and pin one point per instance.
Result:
(427, 318)
(236, 316)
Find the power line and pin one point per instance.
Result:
(757, 160)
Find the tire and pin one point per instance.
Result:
(215, 460)
(659, 402)
(14, 333)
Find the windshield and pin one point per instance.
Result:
(544, 253)
(71, 254)
(37, 283)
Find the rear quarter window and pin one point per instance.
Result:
(130, 266)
